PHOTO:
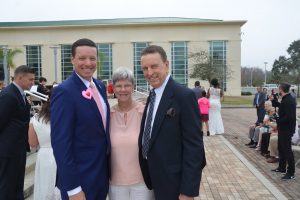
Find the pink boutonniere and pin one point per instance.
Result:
(87, 93)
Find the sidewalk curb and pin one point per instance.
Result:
(277, 194)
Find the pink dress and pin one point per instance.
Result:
(124, 134)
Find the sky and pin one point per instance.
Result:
(272, 25)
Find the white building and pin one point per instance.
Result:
(120, 42)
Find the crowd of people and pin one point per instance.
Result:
(90, 150)
(276, 124)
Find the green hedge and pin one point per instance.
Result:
(246, 93)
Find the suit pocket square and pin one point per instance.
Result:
(171, 112)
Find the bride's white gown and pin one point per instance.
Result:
(215, 120)
(45, 168)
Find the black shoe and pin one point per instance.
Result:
(208, 134)
(282, 171)
(287, 177)
(250, 143)
(253, 146)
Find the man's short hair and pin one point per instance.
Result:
(23, 69)
(83, 42)
(41, 79)
(155, 49)
(285, 87)
(197, 83)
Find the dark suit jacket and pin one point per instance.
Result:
(261, 100)
(286, 121)
(14, 122)
(176, 154)
(80, 144)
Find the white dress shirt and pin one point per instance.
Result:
(159, 92)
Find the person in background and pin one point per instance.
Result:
(204, 105)
(274, 99)
(14, 122)
(197, 90)
(45, 167)
(294, 95)
(110, 89)
(80, 128)
(286, 123)
(215, 119)
(259, 102)
(42, 86)
(126, 181)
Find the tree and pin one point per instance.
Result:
(206, 68)
(257, 76)
(11, 53)
(288, 68)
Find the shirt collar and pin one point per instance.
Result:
(86, 83)
(161, 89)
(20, 89)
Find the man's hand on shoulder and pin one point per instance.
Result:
(184, 197)
(78, 196)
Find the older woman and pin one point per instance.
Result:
(126, 178)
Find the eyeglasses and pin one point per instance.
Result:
(126, 86)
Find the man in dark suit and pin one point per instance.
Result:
(286, 124)
(171, 145)
(80, 128)
(259, 103)
(14, 122)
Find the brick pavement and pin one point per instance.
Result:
(236, 122)
(226, 177)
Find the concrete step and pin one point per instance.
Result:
(29, 174)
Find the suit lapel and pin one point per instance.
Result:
(163, 106)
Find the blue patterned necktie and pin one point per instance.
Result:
(147, 130)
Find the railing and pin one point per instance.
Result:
(38, 95)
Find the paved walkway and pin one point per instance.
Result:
(236, 122)
(226, 176)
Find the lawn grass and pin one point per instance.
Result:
(242, 100)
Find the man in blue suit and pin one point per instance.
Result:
(14, 122)
(80, 128)
(171, 145)
(259, 102)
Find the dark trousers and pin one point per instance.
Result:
(286, 155)
(260, 111)
(265, 139)
(12, 172)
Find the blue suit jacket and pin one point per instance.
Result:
(80, 144)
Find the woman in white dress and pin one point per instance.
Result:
(215, 119)
(45, 168)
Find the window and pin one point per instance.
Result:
(33, 59)
(217, 52)
(140, 82)
(66, 65)
(104, 69)
(180, 62)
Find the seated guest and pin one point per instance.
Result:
(264, 131)
(273, 144)
(265, 137)
(254, 135)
